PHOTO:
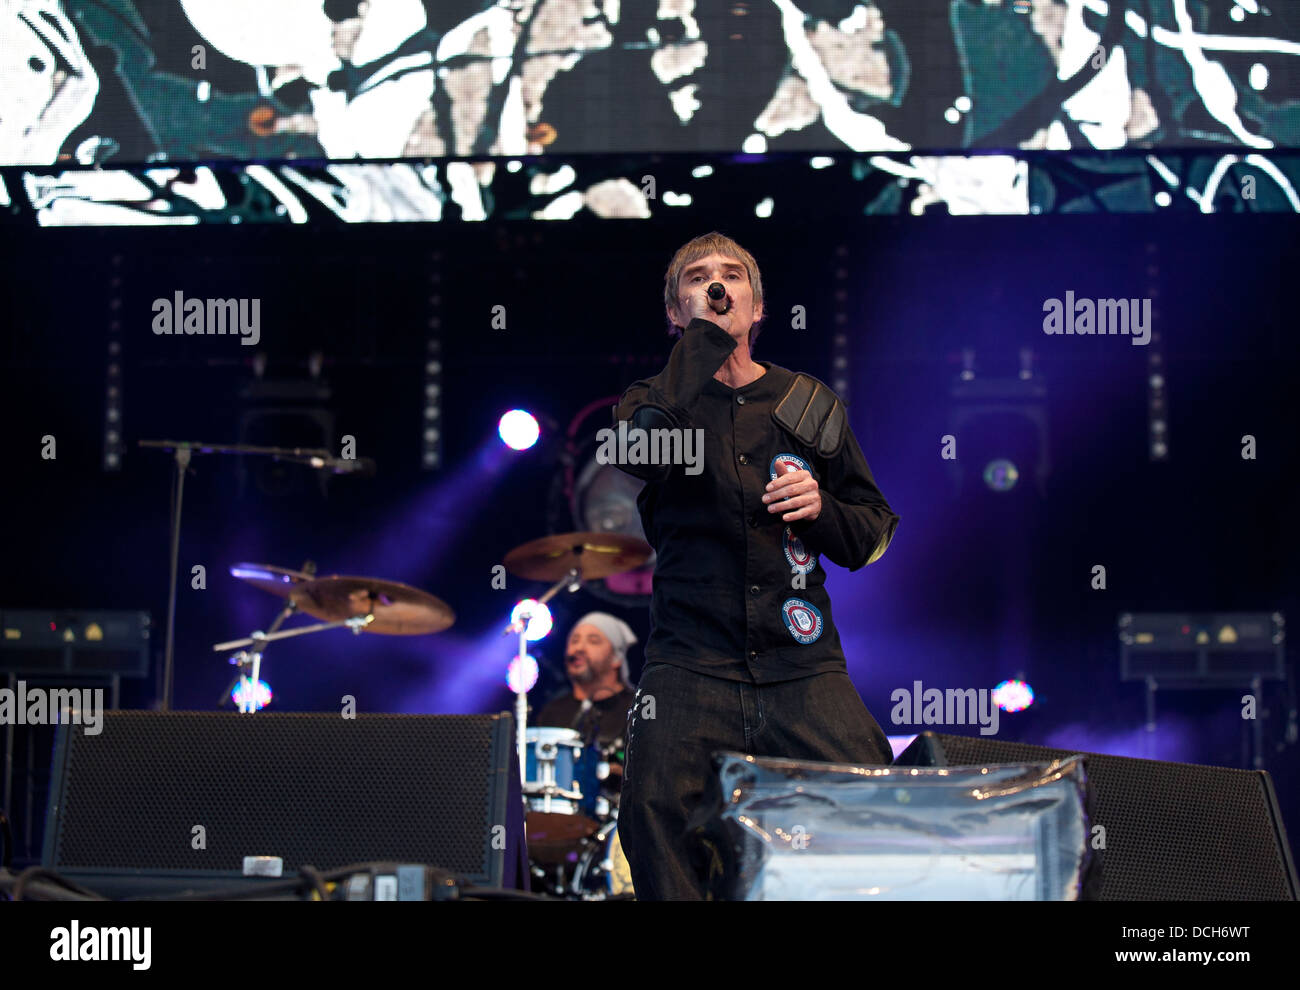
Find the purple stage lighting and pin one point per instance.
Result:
(539, 622)
(1013, 696)
(518, 429)
(522, 676)
(261, 695)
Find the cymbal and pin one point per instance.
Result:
(399, 609)
(597, 555)
(278, 581)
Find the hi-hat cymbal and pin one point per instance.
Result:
(399, 609)
(597, 555)
(278, 581)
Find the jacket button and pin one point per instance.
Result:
(753, 654)
(740, 400)
(744, 458)
(754, 589)
(753, 519)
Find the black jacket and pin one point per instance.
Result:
(726, 600)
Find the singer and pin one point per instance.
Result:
(743, 653)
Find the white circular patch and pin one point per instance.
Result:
(784, 464)
(797, 555)
(802, 619)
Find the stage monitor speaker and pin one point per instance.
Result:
(1173, 831)
(176, 801)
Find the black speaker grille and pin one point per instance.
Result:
(310, 788)
(1174, 831)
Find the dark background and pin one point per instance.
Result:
(977, 586)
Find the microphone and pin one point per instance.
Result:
(717, 293)
(363, 466)
(586, 707)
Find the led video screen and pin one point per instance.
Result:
(119, 82)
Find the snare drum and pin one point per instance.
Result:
(560, 775)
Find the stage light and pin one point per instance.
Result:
(521, 676)
(1013, 696)
(593, 497)
(431, 429)
(840, 340)
(1157, 409)
(113, 446)
(539, 623)
(518, 429)
(261, 695)
(1001, 475)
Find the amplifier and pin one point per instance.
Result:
(75, 641)
(1202, 648)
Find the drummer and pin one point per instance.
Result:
(600, 692)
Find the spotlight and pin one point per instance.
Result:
(521, 676)
(539, 622)
(518, 429)
(261, 695)
(1001, 475)
(593, 497)
(431, 448)
(1013, 696)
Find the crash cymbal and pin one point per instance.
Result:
(598, 555)
(278, 581)
(399, 609)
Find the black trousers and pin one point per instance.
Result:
(820, 717)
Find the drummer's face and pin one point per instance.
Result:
(589, 654)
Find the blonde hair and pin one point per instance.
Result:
(701, 247)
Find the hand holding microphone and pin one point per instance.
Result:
(709, 304)
(718, 298)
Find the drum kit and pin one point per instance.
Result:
(570, 797)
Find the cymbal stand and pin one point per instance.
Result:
(246, 659)
(243, 659)
(571, 581)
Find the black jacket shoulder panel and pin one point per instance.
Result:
(813, 414)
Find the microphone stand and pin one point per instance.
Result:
(182, 454)
(572, 581)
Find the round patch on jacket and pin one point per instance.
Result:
(802, 619)
(797, 555)
(784, 463)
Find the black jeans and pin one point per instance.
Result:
(820, 717)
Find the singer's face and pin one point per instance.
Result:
(589, 655)
(740, 294)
